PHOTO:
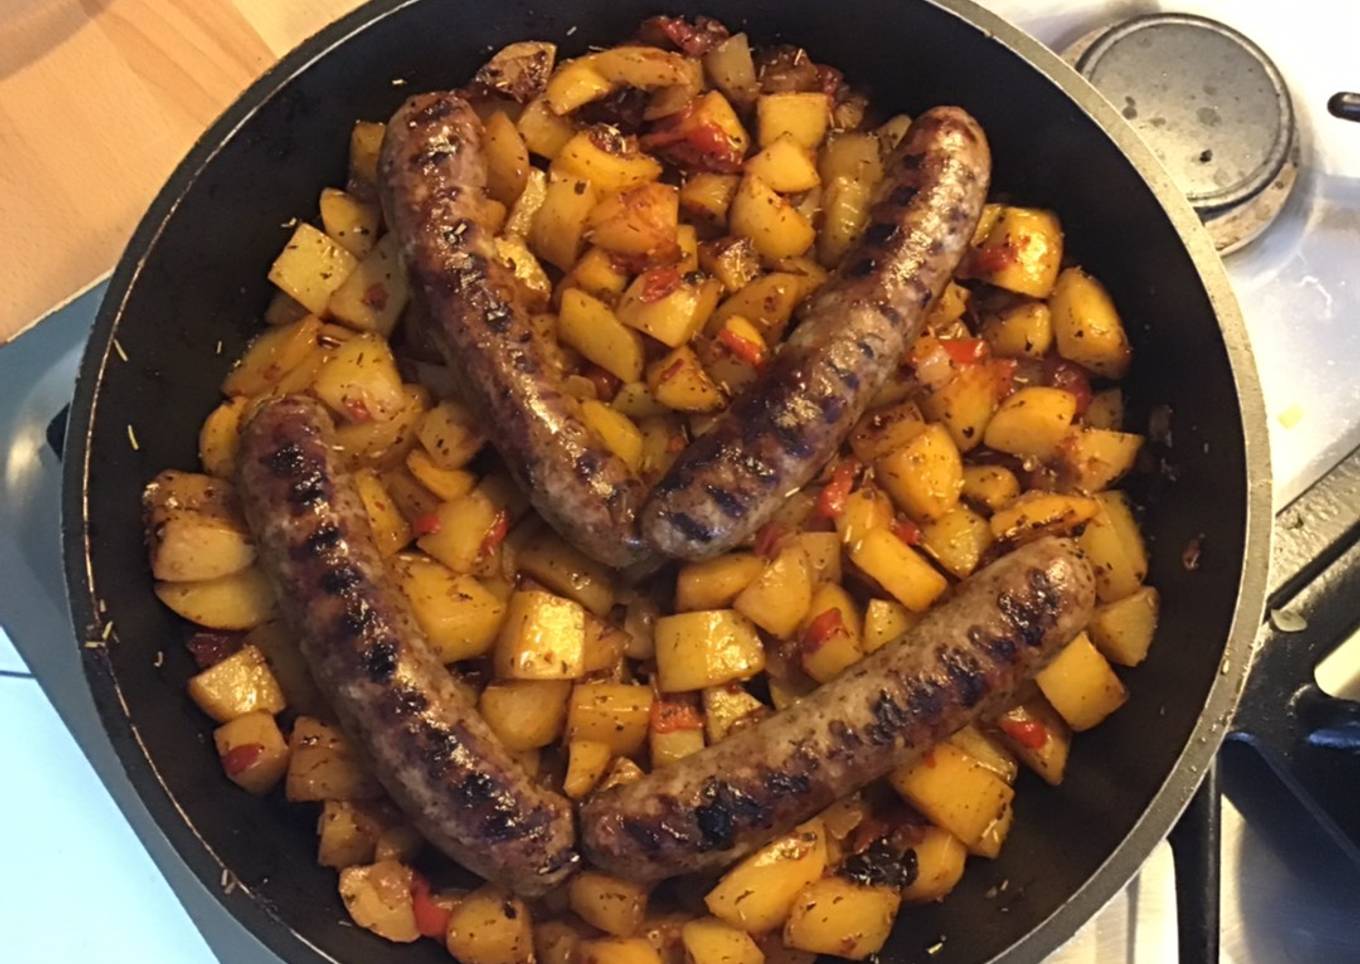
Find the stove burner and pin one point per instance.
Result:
(1210, 105)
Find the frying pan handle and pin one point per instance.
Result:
(1345, 105)
(1195, 847)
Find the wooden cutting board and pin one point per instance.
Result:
(99, 99)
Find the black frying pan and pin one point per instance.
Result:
(186, 296)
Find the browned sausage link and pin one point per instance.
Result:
(436, 757)
(852, 336)
(433, 179)
(960, 661)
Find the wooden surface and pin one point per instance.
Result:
(99, 99)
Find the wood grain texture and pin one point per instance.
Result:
(99, 99)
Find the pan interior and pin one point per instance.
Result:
(201, 288)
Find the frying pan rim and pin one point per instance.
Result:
(252, 911)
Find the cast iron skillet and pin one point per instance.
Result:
(187, 293)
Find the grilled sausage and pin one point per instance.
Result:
(430, 749)
(432, 172)
(853, 334)
(962, 660)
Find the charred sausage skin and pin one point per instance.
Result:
(962, 660)
(429, 748)
(432, 172)
(853, 334)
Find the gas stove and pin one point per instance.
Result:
(1288, 892)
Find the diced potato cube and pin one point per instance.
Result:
(507, 159)
(884, 430)
(679, 382)
(926, 477)
(899, 569)
(1106, 410)
(253, 752)
(802, 116)
(830, 643)
(884, 621)
(520, 221)
(1096, 458)
(824, 554)
(220, 438)
(1021, 330)
(617, 950)
(615, 714)
(614, 906)
(603, 158)
(733, 261)
(589, 326)
(667, 306)
(773, 224)
(648, 68)
(391, 531)
(714, 583)
(940, 857)
(376, 291)
(992, 487)
(310, 267)
(530, 277)
(290, 670)
(450, 436)
(378, 898)
(446, 484)
(598, 274)
(778, 599)
(851, 154)
(1021, 252)
(574, 84)
(561, 220)
(954, 791)
(1114, 547)
(616, 430)
(194, 528)
(706, 648)
(988, 751)
(711, 941)
(400, 842)
(238, 685)
(491, 926)
(1037, 513)
(458, 615)
(347, 834)
(757, 894)
(543, 637)
(383, 443)
(785, 165)
(565, 570)
(272, 355)
(957, 540)
(845, 215)
(240, 600)
(351, 222)
(622, 772)
(946, 313)
(724, 706)
(706, 196)
(525, 714)
(323, 766)
(587, 761)
(838, 917)
(365, 142)
(1087, 326)
(868, 507)
(641, 221)
(1123, 629)
(543, 131)
(1032, 423)
(456, 534)
(767, 302)
(360, 382)
(964, 405)
(1038, 736)
(1080, 685)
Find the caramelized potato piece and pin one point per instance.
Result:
(899, 569)
(241, 600)
(542, 638)
(778, 599)
(954, 791)
(272, 355)
(758, 894)
(615, 906)
(491, 926)
(310, 267)
(640, 221)
(940, 857)
(925, 477)
(706, 197)
(615, 714)
(1037, 735)
(1021, 252)
(835, 916)
(669, 307)
(220, 438)
(804, 117)
(560, 222)
(775, 226)
(695, 650)
(1123, 630)
(1080, 685)
(1087, 326)
(253, 752)
(525, 714)
(714, 583)
(711, 941)
(1037, 513)
(323, 766)
(352, 223)
(587, 761)
(378, 898)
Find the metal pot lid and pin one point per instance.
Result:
(1205, 99)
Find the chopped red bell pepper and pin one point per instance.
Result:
(431, 919)
(823, 626)
(768, 538)
(831, 500)
(1028, 733)
(1070, 377)
(676, 443)
(496, 534)
(669, 714)
(241, 758)
(694, 146)
(357, 410)
(748, 351)
(991, 258)
(908, 531)
(427, 524)
(693, 39)
(964, 351)
(1003, 370)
